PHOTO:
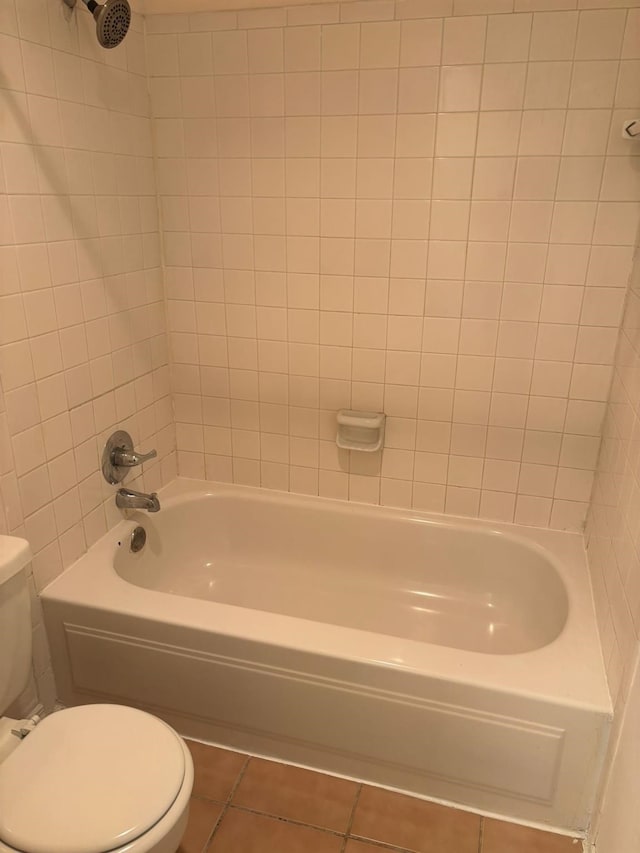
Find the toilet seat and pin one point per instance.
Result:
(88, 780)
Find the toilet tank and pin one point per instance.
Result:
(15, 619)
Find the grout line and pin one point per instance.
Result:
(225, 805)
(239, 779)
(353, 809)
(567, 397)
(383, 845)
(214, 828)
(282, 819)
(481, 834)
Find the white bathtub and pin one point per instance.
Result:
(450, 658)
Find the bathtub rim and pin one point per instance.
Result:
(92, 581)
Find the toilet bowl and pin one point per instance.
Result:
(93, 779)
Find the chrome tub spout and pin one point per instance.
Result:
(130, 499)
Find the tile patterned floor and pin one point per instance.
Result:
(248, 805)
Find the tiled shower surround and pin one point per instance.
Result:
(399, 207)
(82, 322)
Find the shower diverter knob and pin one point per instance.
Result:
(118, 456)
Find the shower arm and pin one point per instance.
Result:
(90, 4)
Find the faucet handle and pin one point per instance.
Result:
(118, 456)
(124, 458)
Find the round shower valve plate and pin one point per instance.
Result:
(119, 440)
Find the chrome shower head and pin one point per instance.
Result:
(112, 21)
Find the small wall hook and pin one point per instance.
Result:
(631, 128)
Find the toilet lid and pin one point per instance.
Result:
(88, 780)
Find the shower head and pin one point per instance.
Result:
(112, 19)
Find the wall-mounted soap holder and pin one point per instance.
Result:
(360, 430)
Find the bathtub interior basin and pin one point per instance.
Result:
(414, 578)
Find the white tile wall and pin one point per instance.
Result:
(614, 517)
(401, 207)
(4, 527)
(613, 550)
(82, 323)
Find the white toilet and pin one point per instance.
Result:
(90, 779)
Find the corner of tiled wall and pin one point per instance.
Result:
(424, 208)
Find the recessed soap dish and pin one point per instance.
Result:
(360, 430)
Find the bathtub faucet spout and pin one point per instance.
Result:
(130, 499)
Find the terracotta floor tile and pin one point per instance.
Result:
(501, 837)
(414, 824)
(216, 770)
(285, 791)
(323, 803)
(244, 832)
(203, 815)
